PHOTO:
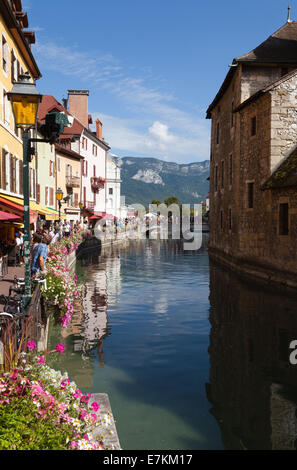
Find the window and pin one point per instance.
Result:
(250, 188)
(14, 73)
(59, 164)
(4, 54)
(216, 178)
(253, 125)
(230, 170)
(284, 219)
(110, 191)
(5, 107)
(218, 133)
(46, 196)
(38, 194)
(51, 196)
(222, 173)
(230, 218)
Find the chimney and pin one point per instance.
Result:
(78, 105)
(98, 129)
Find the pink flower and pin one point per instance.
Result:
(60, 348)
(83, 414)
(95, 406)
(31, 345)
(77, 393)
(64, 383)
(41, 360)
(84, 399)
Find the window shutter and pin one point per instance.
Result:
(11, 173)
(21, 177)
(38, 194)
(51, 196)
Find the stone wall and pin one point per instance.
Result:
(258, 138)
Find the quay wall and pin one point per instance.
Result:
(254, 269)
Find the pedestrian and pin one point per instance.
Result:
(39, 256)
(67, 229)
(56, 235)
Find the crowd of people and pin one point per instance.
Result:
(45, 236)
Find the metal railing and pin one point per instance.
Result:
(73, 181)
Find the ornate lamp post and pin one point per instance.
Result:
(80, 205)
(59, 197)
(25, 100)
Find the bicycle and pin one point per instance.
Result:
(13, 314)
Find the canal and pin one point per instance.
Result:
(191, 356)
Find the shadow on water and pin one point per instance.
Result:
(191, 356)
(252, 385)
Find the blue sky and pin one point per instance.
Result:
(152, 67)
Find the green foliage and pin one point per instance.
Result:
(171, 200)
(21, 429)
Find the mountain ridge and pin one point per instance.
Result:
(148, 178)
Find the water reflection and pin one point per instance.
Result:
(252, 386)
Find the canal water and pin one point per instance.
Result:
(191, 356)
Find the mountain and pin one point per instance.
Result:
(145, 179)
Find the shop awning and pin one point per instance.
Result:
(8, 216)
(15, 205)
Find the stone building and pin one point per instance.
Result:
(253, 194)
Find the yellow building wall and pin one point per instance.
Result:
(9, 141)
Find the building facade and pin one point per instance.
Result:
(113, 187)
(253, 200)
(16, 58)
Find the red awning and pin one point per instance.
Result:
(17, 209)
(110, 217)
(8, 216)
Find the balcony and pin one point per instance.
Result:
(97, 183)
(73, 181)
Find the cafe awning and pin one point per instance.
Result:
(15, 205)
(7, 216)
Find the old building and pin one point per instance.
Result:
(16, 57)
(253, 193)
(113, 187)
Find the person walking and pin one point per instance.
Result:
(39, 255)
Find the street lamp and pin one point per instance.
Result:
(59, 197)
(25, 100)
(80, 205)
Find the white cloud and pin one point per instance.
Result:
(160, 131)
(154, 123)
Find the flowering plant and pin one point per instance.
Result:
(61, 290)
(40, 408)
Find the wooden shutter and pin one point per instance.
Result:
(38, 194)
(11, 184)
(21, 177)
(51, 196)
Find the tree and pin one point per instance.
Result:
(171, 200)
(156, 201)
